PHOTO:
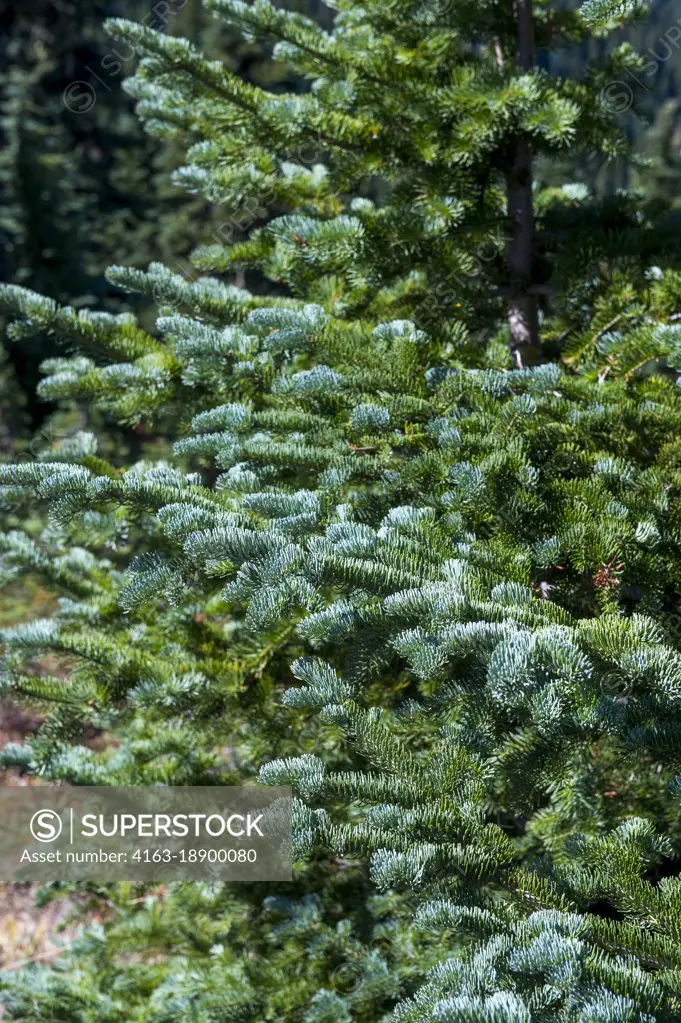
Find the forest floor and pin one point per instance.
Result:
(28, 932)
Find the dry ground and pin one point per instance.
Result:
(26, 932)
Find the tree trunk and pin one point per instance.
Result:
(523, 316)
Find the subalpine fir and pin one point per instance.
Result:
(477, 571)
(474, 574)
(443, 107)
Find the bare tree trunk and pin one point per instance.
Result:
(523, 317)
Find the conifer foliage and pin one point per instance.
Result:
(444, 104)
(433, 590)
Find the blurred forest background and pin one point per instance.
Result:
(82, 187)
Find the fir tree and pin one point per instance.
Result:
(445, 103)
(479, 568)
(472, 571)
